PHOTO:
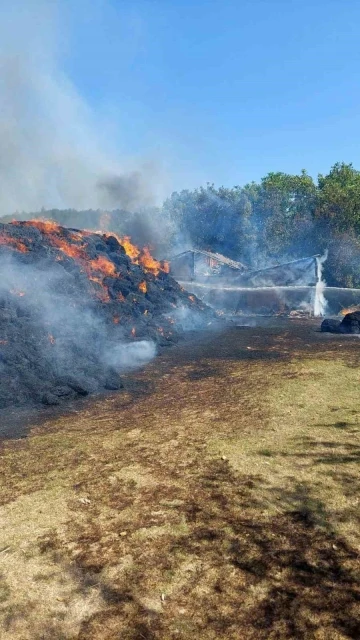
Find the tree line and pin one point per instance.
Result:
(282, 217)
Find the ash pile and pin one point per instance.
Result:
(78, 308)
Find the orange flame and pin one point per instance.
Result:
(51, 339)
(70, 250)
(192, 298)
(131, 250)
(72, 244)
(13, 243)
(100, 265)
(141, 256)
(350, 310)
(133, 332)
(45, 226)
(148, 262)
(76, 236)
(104, 265)
(116, 319)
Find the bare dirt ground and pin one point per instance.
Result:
(218, 497)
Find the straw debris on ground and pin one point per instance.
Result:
(216, 498)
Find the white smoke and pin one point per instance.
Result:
(187, 318)
(46, 293)
(52, 150)
(130, 356)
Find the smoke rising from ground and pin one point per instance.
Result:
(131, 355)
(44, 293)
(52, 149)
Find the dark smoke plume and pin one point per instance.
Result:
(125, 191)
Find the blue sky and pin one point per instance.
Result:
(223, 91)
(186, 92)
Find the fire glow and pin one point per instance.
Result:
(141, 257)
(352, 309)
(45, 226)
(131, 250)
(90, 313)
(13, 243)
(103, 265)
(74, 244)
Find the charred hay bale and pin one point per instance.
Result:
(63, 391)
(330, 326)
(49, 399)
(155, 294)
(113, 244)
(350, 323)
(121, 261)
(81, 388)
(119, 287)
(113, 381)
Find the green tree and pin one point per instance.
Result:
(339, 198)
(285, 211)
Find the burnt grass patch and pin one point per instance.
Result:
(183, 540)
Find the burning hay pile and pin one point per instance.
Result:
(77, 308)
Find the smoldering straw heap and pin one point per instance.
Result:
(77, 308)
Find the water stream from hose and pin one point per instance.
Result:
(320, 302)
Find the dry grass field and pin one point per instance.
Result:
(217, 497)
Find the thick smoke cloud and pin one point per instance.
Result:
(127, 191)
(52, 149)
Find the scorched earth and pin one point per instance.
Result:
(217, 497)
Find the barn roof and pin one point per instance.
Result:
(233, 264)
(285, 264)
